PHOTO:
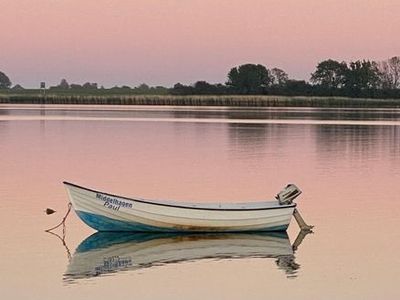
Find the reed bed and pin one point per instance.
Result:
(235, 101)
(4, 99)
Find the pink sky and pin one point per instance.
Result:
(168, 41)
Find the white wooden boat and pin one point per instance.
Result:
(111, 252)
(107, 212)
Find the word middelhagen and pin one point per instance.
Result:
(112, 202)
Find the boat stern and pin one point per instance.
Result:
(288, 194)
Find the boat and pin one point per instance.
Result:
(107, 212)
(112, 252)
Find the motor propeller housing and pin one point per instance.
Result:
(288, 194)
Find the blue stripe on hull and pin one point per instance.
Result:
(102, 223)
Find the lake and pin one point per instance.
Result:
(346, 161)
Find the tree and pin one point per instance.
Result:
(90, 85)
(181, 89)
(5, 82)
(142, 89)
(63, 84)
(298, 87)
(249, 79)
(204, 88)
(279, 77)
(394, 68)
(75, 86)
(17, 87)
(361, 76)
(385, 76)
(390, 73)
(159, 90)
(329, 74)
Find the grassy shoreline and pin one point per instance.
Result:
(201, 100)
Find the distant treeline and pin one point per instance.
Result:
(356, 79)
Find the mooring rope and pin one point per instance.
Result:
(62, 221)
(62, 239)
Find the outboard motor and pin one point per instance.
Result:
(288, 194)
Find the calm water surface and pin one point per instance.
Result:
(347, 162)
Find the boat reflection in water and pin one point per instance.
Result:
(111, 252)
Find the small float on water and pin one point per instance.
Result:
(108, 212)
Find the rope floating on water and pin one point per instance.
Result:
(62, 239)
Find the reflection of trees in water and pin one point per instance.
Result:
(394, 141)
(342, 114)
(4, 112)
(249, 140)
(331, 140)
(288, 113)
(262, 114)
(315, 114)
(255, 139)
(234, 113)
(356, 140)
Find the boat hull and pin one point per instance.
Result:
(106, 212)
